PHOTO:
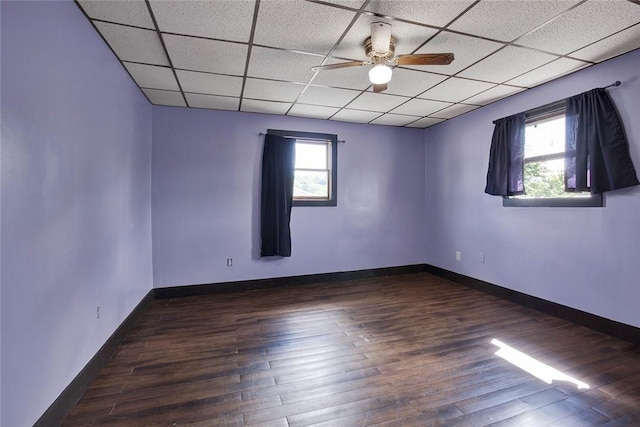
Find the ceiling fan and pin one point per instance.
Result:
(380, 49)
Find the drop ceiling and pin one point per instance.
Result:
(256, 56)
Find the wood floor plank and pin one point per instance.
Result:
(411, 350)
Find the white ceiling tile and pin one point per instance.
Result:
(411, 83)
(349, 78)
(431, 12)
(271, 90)
(547, 72)
(165, 97)
(567, 33)
(393, 120)
(130, 12)
(282, 65)
(425, 122)
(357, 116)
(516, 17)
(454, 110)
(313, 111)
(331, 97)
(133, 44)
(220, 19)
(211, 101)
(298, 25)
(408, 37)
(506, 64)
(466, 51)
(207, 44)
(206, 55)
(493, 94)
(615, 45)
(211, 84)
(151, 76)
(456, 89)
(377, 102)
(268, 107)
(420, 107)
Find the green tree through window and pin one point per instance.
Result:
(544, 162)
(543, 181)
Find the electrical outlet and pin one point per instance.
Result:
(229, 262)
(481, 258)
(458, 256)
(97, 312)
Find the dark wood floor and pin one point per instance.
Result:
(411, 350)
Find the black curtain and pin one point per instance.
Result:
(278, 168)
(506, 158)
(595, 132)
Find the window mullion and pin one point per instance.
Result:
(312, 170)
(546, 157)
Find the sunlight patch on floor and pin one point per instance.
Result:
(536, 368)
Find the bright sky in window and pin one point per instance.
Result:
(311, 156)
(544, 138)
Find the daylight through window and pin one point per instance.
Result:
(316, 167)
(313, 173)
(547, 162)
(544, 163)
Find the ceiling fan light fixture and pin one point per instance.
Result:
(380, 74)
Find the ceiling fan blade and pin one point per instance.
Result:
(425, 59)
(379, 88)
(339, 65)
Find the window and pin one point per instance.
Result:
(596, 155)
(315, 181)
(546, 161)
(312, 175)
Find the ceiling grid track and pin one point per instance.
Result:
(246, 67)
(166, 52)
(278, 40)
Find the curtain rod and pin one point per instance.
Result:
(310, 139)
(616, 83)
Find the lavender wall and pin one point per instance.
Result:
(76, 218)
(206, 199)
(586, 258)
(1, 137)
(77, 198)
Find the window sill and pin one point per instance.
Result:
(331, 202)
(594, 201)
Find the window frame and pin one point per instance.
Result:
(538, 114)
(332, 143)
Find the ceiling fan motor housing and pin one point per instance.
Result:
(381, 44)
(389, 54)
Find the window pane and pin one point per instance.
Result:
(309, 184)
(546, 179)
(546, 137)
(311, 156)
